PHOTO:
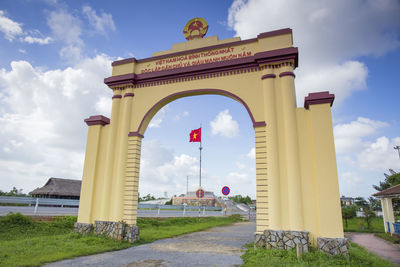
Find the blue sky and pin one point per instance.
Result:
(55, 54)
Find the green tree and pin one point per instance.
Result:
(360, 202)
(348, 212)
(369, 214)
(390, 180)
(374, 203)
(14, 192)
(240, 199)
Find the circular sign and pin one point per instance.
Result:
(200, 193)
(195, 28)
(225, 190)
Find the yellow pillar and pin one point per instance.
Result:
(95, 124)
(261, 179)
(274, 202)
(130, 192)
(89, 174)
(121, 144)
(110, 158)
(326, 181)
(289, 148)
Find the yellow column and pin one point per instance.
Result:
(130, 204)
(326, 178)
(110, 158)
(274, 201)
(120, 154)
(89, 173)
(261, 179)
(290, 147)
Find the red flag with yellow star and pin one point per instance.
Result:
(195, 135)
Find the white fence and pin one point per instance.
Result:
(54, 202)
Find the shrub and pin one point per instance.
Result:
(14, 219)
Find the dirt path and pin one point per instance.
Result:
(377, 245)
(219, 246)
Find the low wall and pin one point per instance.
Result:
(115, 230)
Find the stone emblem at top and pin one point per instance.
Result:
(195, 28)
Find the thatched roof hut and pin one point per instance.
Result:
(59, 188)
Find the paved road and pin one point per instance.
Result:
(377, 245)
(55, 211)
(219, 246)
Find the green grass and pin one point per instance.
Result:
(388, 237)
(358, 256)
(25, 242)
(359, 225)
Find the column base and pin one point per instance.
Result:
(333, 246)
(83, 228)
(115, 230)
(282, 240)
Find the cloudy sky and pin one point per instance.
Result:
(55, 54)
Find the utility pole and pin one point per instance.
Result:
(398, 149)
(187, 185)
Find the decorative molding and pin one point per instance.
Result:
(268, 76)
(129, 95)
(260, 36)
(287, 73)
(274, 33)
(259, 124)
(136, 133)
(318, 98)
(97, 120)
(257, 62)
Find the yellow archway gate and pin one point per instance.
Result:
(296, 174)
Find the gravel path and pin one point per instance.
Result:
(377, 245)
(219, 246)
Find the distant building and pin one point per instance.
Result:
(346, 201)
(59, 188)
(209, 199)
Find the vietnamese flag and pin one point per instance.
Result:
(195, 135)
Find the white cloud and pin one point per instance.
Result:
(158, 118)
(41, 119)
(363, 28)
(252, 153)
(349, 136)
(184, 114)
(163, 171)
(10, 28)
(23, 51)
(67, 28)
(33, 40)
(240, 166)
(341, 79)
(100, 23)
(379, 155)
(224, 125)
(363, 156)
(103, 105)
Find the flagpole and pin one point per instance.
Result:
(200, 148)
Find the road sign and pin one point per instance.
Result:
(200, 193)
(225, 190)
